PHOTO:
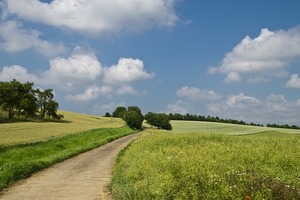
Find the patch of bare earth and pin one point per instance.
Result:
(82, 177)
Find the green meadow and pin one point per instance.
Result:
(202, 160)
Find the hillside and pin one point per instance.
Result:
(28, 132)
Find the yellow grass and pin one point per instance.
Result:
(28, 132)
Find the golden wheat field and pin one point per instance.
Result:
(29, 132)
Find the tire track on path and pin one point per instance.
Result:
(82, 177)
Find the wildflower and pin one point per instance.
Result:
(248, 198)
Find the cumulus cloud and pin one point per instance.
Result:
(273, 109)
(294, 82)
(15, 39)
(91, 93)
(82, 76)
(196, 94)
(17, 72)
(261, 58)
(126, 71)
(178, 107)
(82, 67)
(98, 16)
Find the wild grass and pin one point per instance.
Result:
(20, 161)
(29, 132)
(206, 165)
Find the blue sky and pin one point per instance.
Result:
(232, 59)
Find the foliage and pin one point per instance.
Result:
(209, 166)
(160, 120)
(119, 112)
(21, 161)
(15, 96)
(134, 117)
(22, 99)
(191, 117)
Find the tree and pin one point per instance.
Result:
(17, 97)
(160, 120)
(51, 109)
(119, 112)
(133, 120)
(44, 97)
(134, 117)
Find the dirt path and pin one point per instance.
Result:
(83, 177)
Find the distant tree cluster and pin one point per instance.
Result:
(283, 126)
(208, 118)
(132, 116)
(22, 99)
(159, 120)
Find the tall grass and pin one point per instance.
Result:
(165, 165)
(20, 161)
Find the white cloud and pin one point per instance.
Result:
(273, 109)
(16, 39)
(81, 68)
(17, 72)
(196, 94)
(294, 81)
(178, 107)
(277, 103)
(263, 57)
(91, 93)
(126, 71)
(126, 89)
(82, 76)
(98, 16)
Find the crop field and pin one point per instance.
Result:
(30, 132)
(231, 129)
(210, 161)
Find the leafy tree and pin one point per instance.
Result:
(44, 97)
(137, 110)
(119, 112)
(51, 109)
(107, 114)
(160, 120)
(15, 96)
(133, 120)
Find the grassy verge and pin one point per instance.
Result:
(164, 165)
(20, 161)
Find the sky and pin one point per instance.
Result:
(231, 58)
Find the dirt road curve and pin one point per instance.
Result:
(83, 177)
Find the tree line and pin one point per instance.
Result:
(134, 118)
(191, 117)
(22, 99)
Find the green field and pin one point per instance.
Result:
(202, 160)
(231, 129)
(29, 132)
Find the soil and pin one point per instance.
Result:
(84, 177)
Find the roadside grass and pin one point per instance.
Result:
(207, 165)
(20, 161)
(231, 129)
(29, 132)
